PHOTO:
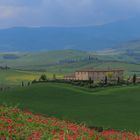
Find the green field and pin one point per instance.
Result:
(116, 107)
(15, 77)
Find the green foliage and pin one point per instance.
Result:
(43, 77)
(106, 80)
(134, 79)
(54, 77)
(118, 80)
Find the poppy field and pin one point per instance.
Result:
(24, 125)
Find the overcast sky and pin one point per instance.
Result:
(65, 12)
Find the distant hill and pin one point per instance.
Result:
(79, 38)
(129, 51)
(67, 61)
(41, 58)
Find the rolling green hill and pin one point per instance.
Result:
(40, 58)
(116, 107)
(68, 61)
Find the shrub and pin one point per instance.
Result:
(43, 77)
(34, 81)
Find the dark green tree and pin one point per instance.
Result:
(43, 77)
(22, 84)
(106, 80)
(118, 81)
(28, 83)
(54, 77)
(90, 81)
(134, 79)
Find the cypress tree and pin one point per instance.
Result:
(118, 81)
(134, 78)
(106, 80)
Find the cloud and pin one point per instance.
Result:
(20, 2)
(88, 12)
(65, 12)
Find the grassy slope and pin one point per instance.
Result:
(15, 77)
(116, 108)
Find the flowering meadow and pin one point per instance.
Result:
(22, 125)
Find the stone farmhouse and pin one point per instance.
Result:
(96, 75)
